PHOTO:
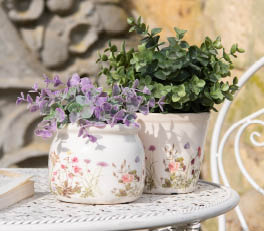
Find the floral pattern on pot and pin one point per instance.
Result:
(81, 171)
(180, 173)
(173, 146)
(150, 170)
(67, 176)
(178, 169)
(128, 179)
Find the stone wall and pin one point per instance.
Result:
(48, 36)
(235, 21)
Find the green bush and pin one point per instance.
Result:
(187, 76)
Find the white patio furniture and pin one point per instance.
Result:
(181, 211)
(218, 143)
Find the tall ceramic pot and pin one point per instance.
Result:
(173, 145)
(109, 171)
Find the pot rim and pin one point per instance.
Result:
(183, 117)
(117, 128)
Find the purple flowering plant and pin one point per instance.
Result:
(80, 101)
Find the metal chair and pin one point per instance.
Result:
(218, 143)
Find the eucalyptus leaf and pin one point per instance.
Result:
(179, 33)
(160, 75)
(155, 31)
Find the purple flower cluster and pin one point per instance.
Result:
(79, 101)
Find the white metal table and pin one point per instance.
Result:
(185, 211)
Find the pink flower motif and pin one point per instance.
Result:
(174, 166)
(87, 161)
(192, 162)
(152, 148)
(75, 159)
(52, 179)
(102, 164)
(199, 153)
(76, 169)
(55, 173)
(70, 175)
(63, 166)
(127, 178)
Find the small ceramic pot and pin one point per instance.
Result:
(173, 145)
(109, 171)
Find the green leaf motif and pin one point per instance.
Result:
(240, 50)
(235, 80)
(179, 33)
(113, 48)
(160, 75)
(233, 48)
(130, 20)
(178, 93)
(215, 92)
(155, 31)
(217, 43)
(225, 87)
(74, 107)
(226, 57)
(196, 85)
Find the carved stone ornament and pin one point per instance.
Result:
(53, 36)
(24, 10)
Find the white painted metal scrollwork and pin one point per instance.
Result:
(252, 138)
(217, 145)
(237, 152)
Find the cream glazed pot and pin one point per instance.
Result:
(109, 171)
(173, 145)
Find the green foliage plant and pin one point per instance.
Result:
(188, 78)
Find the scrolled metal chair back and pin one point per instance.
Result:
(218, 143)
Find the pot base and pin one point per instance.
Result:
(162, 191)
(96, 201)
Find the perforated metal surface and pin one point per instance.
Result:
(45, 211)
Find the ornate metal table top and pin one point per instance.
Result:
(44, 212)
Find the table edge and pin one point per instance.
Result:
(150, 221)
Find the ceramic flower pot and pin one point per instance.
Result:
(173, 145)
(109, 171)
